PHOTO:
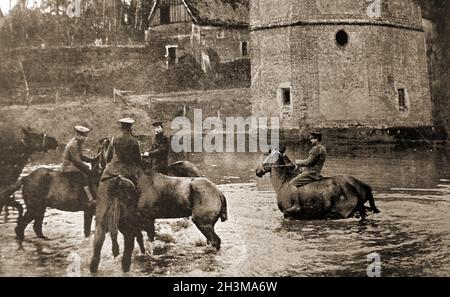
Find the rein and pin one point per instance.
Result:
(279, 166)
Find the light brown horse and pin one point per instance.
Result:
(120, 206)
(336, 197)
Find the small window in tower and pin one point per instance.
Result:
(286, 96)
(342, 38)
(402, 103)
(244, 48)
(221, 34)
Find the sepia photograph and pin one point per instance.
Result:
(201, 139)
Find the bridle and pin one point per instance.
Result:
(266, 168)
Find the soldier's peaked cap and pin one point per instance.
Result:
(127, 121)
(157, 124)
(316, 135)
(82, 130)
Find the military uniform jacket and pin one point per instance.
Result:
(73, 158)
(126, 157)
(316, 159)
(159, 152)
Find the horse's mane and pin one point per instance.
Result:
(287, 173)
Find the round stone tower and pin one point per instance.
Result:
(340, 63)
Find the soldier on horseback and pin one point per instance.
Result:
(158, 155)
(312, 167)
(73, 159)
(126, 157)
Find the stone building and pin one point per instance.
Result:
(209, 31)
(340, 63)
(436, 25)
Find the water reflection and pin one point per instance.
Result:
(381, 166)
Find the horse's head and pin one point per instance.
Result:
(102, 158)
(270, 159)
(40, 142)
(104, 153)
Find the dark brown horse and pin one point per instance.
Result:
(334, 197)
(63, 191)
(180, 168)
(13, 159)
(122, 207)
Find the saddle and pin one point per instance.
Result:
(125, 179)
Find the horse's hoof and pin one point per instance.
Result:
(211, 249)
(126, 267)
(19, 237)
(93, 267)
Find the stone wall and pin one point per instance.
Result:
(436, 23)
(355, 84)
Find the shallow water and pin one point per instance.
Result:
(411, 235)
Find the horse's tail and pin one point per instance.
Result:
(223, 209)
(366, 193)
(113, 219)
(7, 192)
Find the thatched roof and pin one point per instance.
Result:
(234, 13)
(230, 13)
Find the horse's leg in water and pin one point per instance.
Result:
(207, 229)
(149, 228)
(37, 225)
(87, 222)
(98, 243)
(140, 241)
(17, 206)
(6, 215)
(22, 224)
(115, 247)
(101, 220)
(128, 250)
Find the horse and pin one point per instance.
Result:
(123, 207)
(14, 158)
(180, 168)
(183, 169)
(337, 197)
(60, 190)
